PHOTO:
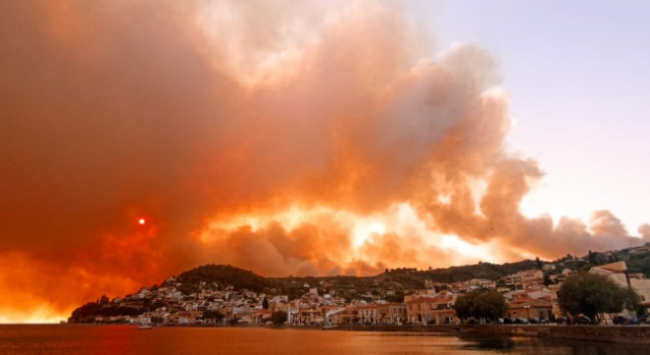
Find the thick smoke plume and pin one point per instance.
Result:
(311, 138)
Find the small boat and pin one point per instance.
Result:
(330, 326)
(145, 327)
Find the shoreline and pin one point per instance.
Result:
(627, 334)
(624, 334)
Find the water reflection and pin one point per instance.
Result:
(100, 340)
(501, 344)
(550, 346)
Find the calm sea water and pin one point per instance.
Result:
(114, 340)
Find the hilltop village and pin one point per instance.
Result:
(224, 295)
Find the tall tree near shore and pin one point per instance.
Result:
(481, 304)
(212, 316)
(279, 318)
(594, 296)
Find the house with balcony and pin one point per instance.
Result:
(391, 313)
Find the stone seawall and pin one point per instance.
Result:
(616, 334)
(402, 328)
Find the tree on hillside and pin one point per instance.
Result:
(265, 303)
(398, 297)
(223, 275)
(85, 313)
(279, 318)
(104, 300)
(481, 304)
(594, 258)
(595, 295)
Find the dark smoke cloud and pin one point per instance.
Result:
(215, 119)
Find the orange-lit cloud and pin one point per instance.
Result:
(311, 138)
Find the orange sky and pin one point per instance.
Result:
(284, 138)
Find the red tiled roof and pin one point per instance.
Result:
(369, 306)
(538, 303)
(431, 300)
(522, 300)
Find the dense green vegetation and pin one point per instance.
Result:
(88, 312)
(279, 318)
(481, 304)
(222, 275)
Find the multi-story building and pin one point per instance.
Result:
(391, 313)
(555, 304)
(432, 310)
(529, 308)
(368, 314)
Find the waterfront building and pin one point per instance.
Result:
(529, 308)
(391, 313)
(432, 310)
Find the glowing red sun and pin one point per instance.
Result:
(141, 221)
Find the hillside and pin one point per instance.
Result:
(400, 280)
(391, 285)
(221, 276)
(201, 287)
(636, 258)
